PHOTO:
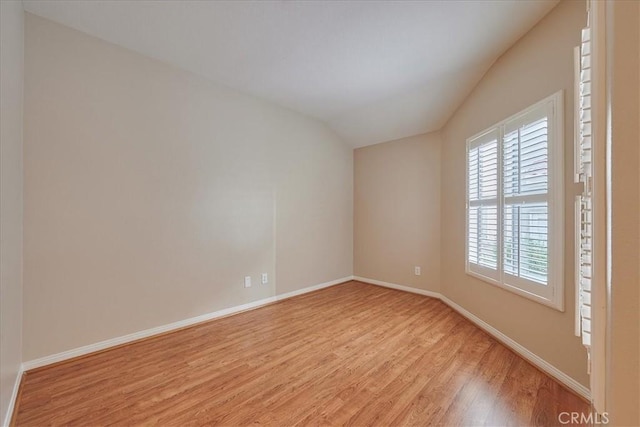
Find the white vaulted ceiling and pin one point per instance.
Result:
(372, 70)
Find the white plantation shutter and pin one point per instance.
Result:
(584, 223)
(482, 205)
(514, 203)
(525, 218)
(526, 241)
(526, 200)
(526, 154)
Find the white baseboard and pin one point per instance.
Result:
(516, 347)
(398, 287)
(312, 288)
(14, 396)
(103, 345)
(533, 358)
(519, 349)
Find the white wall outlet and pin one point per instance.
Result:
(416, 270)
(247, 281)
(265, 278)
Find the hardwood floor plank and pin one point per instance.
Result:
(440, 391)
(473, 403)
(353, 354)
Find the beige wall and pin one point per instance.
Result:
(11, 85)
(397, 211)
(538, 65)
(188, 186)
(150, 193)
(623, 334)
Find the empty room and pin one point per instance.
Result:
(292, 213)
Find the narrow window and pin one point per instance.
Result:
(515, 203)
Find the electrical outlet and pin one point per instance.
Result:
(265, 278)
(247, 281)
(416, 271)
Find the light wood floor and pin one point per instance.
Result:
(353, 354)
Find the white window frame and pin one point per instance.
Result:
(551, 294)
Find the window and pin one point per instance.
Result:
(515, 203)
